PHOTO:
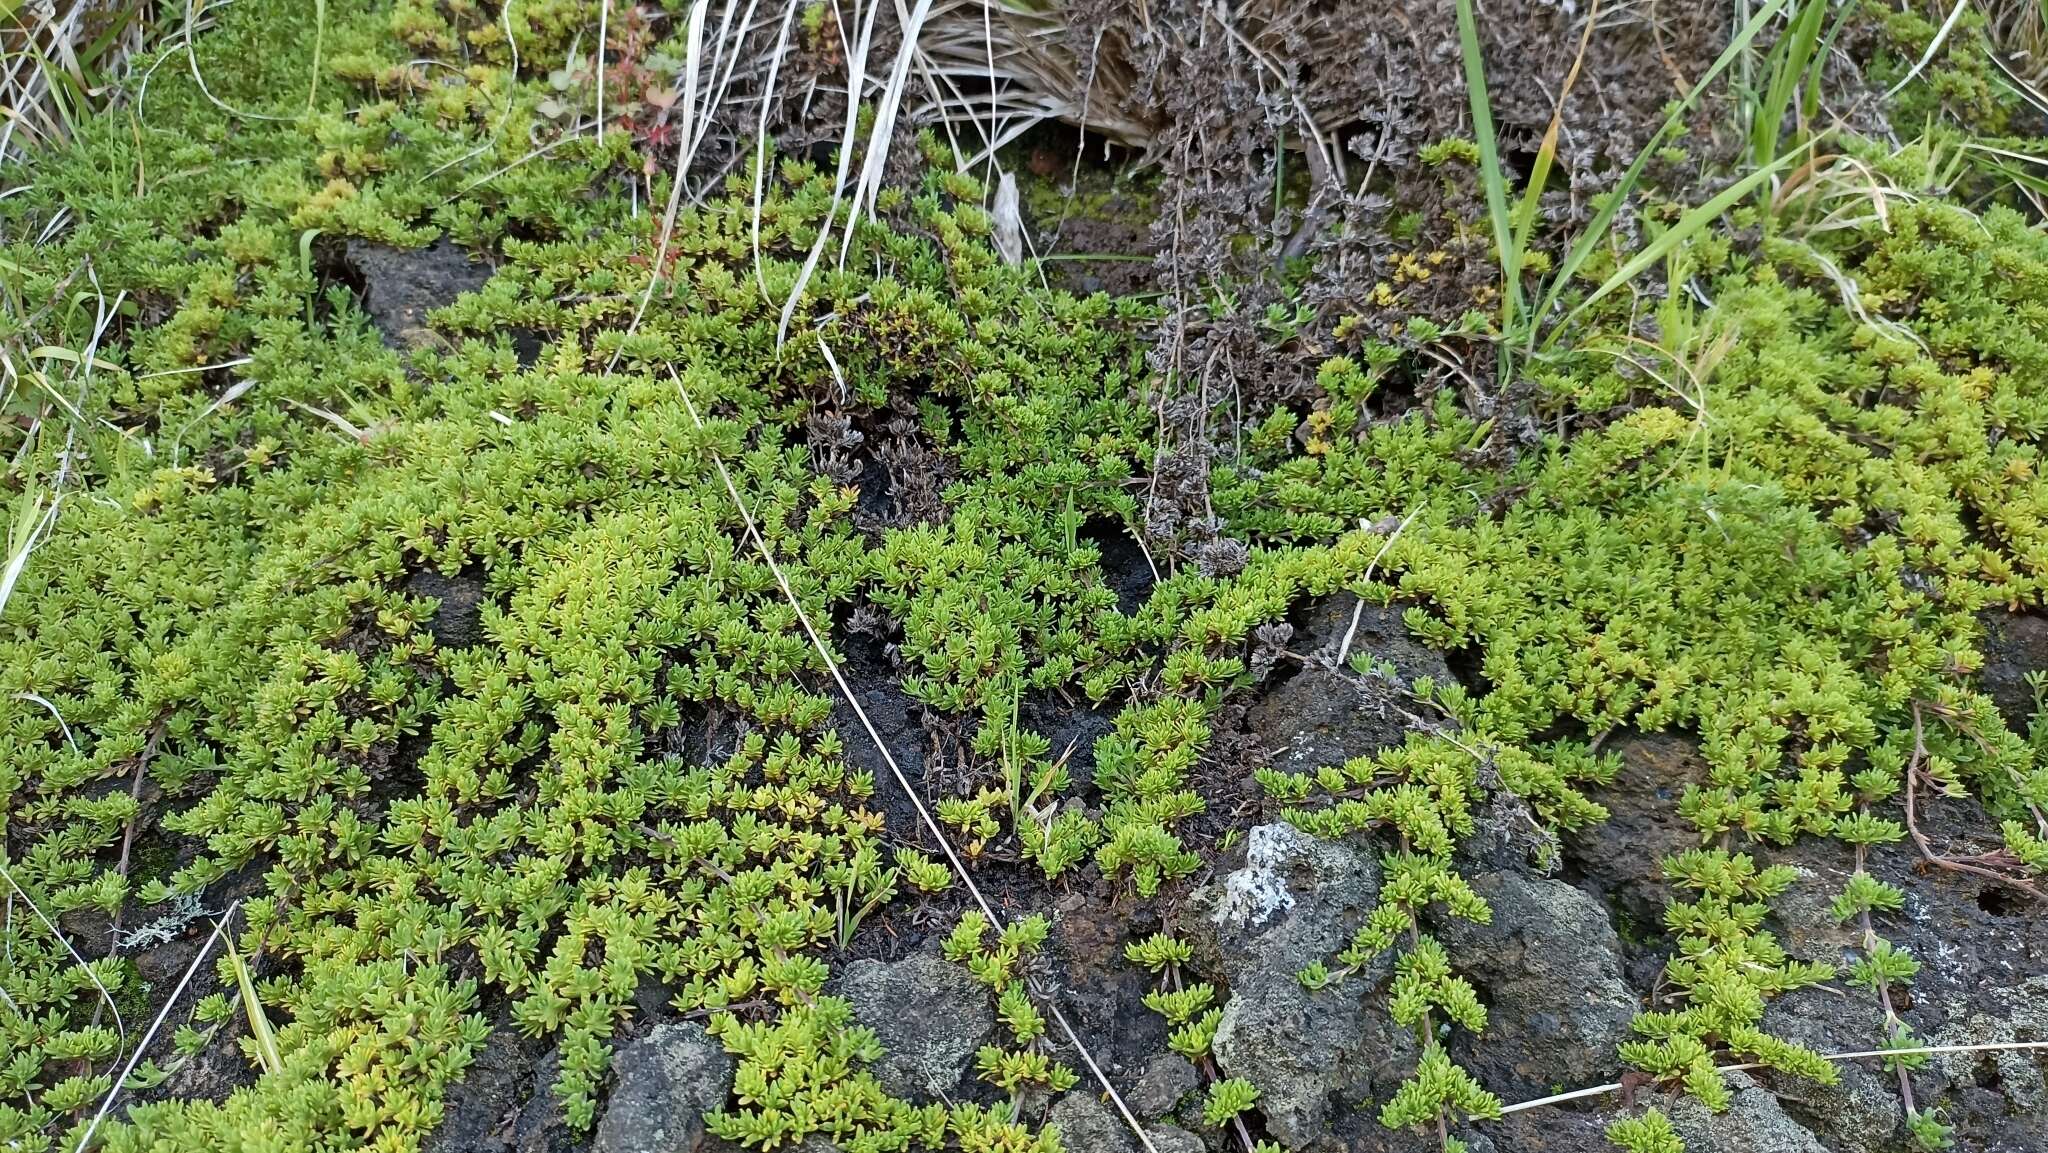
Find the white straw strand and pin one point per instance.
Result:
(902, 781)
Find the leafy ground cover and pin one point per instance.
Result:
(419, 536)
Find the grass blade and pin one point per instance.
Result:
(1491, 174)
(685, 134)
(259, 1022)
(1597, 228)
(768, 90)
(1546, 153)
(1688, 226)
(856, 82)
(1791, 58)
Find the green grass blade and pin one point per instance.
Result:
(319, 41)
(1790, 59)
(259, 1022)
(1546, 153)
(1596, 229)
(1690, 225)
(1491, 175)
(1539, 175)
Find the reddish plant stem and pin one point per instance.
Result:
(1914, 774)
(1892, 1020)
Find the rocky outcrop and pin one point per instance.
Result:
(930, 1017)
(1087, 1125)
(399, 286)
(1325, 714)
(1166, 1081)
(1752, 1123)
(1548, 965)
(667, 1080)
(2013, 644)
(1296, 899)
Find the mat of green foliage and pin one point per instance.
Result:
(1775, 522)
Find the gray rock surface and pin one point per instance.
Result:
(1325, 716)
(930, 1017)
(1979, 944)
(1089, 1125)
(1295, 900)
(1322, 717)
(401, 285)
(1858, 1113)
(502, 1103)
(1753, 1123)
(1165, 1081)
(1549, 968)
(2013, 644)
(667, 1080)
(1381, 632)
(1171, 1139)
(458, 617)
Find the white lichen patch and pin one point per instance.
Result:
(1254, 893)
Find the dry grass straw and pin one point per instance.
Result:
(58, 60)
(903, 784)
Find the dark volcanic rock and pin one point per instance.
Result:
(1860, 1112)
(1981, 947)
(1087, 1125)
(2013, 644)
(1325, 714)
(458, 618)
(1101, 992)
(503, 1103)
(930, 1017)
(401, 285)
(1618, 857)
(482, 1110)
(1296, 899)
(1753, 1123)
(1322, 627)
(667, 1081)
(1549, 968)
(1323, 717)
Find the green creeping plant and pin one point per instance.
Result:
(229, 619)
(1797, 576)
(232, 613)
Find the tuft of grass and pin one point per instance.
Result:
(1791, 72)
(58, 62)
(261, 1035)
(1524, 329)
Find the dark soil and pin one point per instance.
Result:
(399, 286)
(503, 1104)
(164, 943)
(1125, 567)
(218, 1069)
(458, 617)
(1073, 727)
(899, 722)
(706, 734)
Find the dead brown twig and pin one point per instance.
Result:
(1981, 864)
